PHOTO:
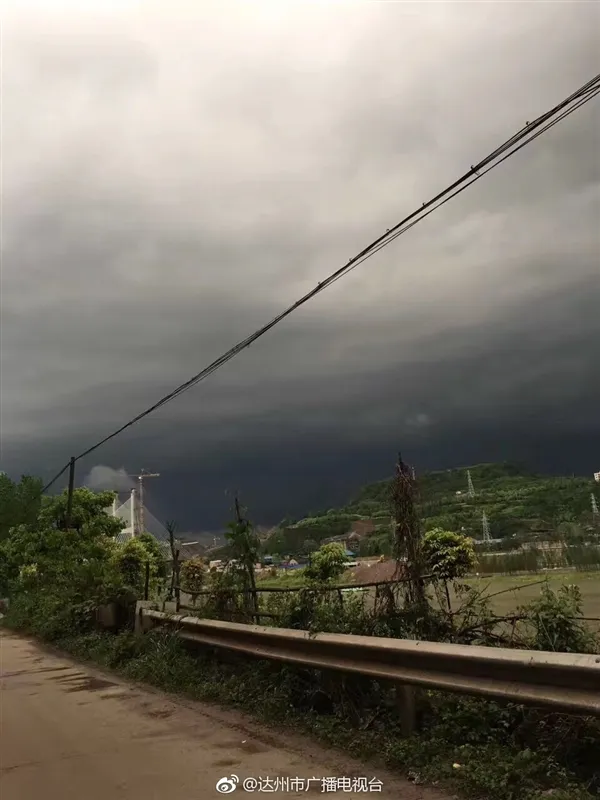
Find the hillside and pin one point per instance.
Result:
(516, 501)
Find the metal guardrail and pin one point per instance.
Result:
(561, 681)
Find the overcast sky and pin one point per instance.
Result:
(175, 175)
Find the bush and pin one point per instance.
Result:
(556, 624)
(192, 575)
(156, 553)
(130, 561)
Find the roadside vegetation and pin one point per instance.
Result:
(57, 580)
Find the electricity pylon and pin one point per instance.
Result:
(470, 487)
(485, 525)
(594, 506)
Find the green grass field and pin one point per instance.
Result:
(516, 590)
(292, 579)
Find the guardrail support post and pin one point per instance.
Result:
(143, 624)
(406, 702)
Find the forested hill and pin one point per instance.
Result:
(515, 500)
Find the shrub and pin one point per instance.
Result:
(192, 575)
(130, 561)
(554, 618)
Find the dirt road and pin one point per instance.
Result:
(71, 731)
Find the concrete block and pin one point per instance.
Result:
(143, 625)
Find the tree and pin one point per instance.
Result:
(89, 508)
(19, 502)
(244, 547)
(327, 563)
(76, 561)
(243, 544)
(448, 555)
(58, 578)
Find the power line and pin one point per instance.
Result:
(55, 478)
(524, 136)
(474, 179)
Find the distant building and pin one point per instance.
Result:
(362, 527)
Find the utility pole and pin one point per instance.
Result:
(139, 510)
(470, 487)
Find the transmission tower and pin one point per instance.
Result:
(139, 506)
(470, 487)
(485, 525)
(594, 506)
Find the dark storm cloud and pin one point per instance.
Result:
(172, 184)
